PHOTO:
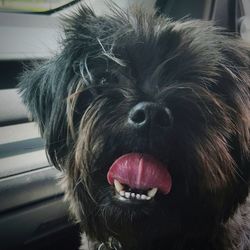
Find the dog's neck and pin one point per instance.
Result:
(229, 237)
(111, 244)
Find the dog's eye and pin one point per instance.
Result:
(103, 81)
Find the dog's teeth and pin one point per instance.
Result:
(152, 192)
(118, 186)
(127, 195)
(130, 195)
(122, 193)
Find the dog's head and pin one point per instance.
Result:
(149, 119)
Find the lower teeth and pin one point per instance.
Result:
(130, 195)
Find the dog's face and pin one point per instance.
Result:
(149, 119)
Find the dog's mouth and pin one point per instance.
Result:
(138, 177)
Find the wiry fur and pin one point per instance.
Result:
(81, 99)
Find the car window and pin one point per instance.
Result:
(31, 5)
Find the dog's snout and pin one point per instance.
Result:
(149, 114)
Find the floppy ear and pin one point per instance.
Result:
(38, 93)
(51, 93)
(235, 83)
(47, 89)
(44, 86)
(234, 88)
(44, 91)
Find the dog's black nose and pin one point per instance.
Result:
(149, 114)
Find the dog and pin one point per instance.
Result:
(148, 119)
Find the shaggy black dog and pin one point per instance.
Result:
(149, 121)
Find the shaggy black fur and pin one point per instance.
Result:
(81, 100)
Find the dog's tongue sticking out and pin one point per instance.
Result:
(140, 171)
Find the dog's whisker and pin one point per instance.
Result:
(82, 65)
(86, 68)
(79, 181)
(110, 55)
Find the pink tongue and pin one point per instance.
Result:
(140, 171)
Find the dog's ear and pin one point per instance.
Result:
(44, 92)
(235, 83)
(49, 88)
(38, 93)
(233, 87)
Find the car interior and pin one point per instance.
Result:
(33, 214)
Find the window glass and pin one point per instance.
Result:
(31, 5)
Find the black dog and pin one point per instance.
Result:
(149, 120)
